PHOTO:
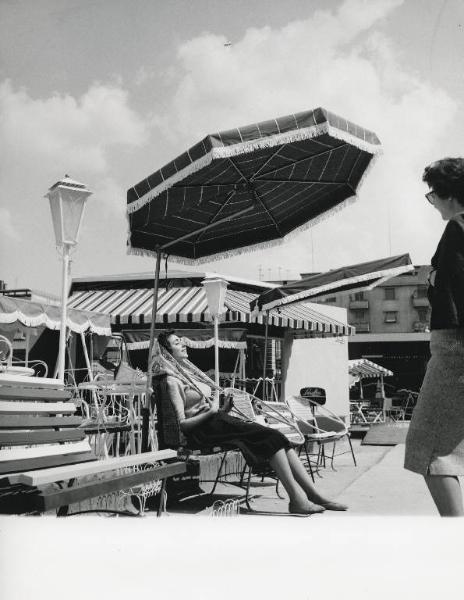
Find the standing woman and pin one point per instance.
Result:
(435, 441)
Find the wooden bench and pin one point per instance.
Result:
(46, 461)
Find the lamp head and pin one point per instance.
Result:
(215, 289)
(67, 199)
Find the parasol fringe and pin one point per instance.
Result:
(250, 146)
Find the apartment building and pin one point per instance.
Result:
(392, 325)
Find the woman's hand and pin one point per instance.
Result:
(214, 408)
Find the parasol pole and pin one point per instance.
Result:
(154, 311)
(266, 333)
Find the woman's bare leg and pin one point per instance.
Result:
(304, 480)
(298, 498)
(446, 493)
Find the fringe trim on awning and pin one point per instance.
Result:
(250, 146)
(198, 344)
(384, 275)
(51, 324)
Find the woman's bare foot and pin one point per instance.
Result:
(305, 508)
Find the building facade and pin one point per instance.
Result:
(392, 325)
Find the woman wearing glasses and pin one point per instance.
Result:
(435, 441)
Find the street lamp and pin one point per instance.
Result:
(215, 289)
(67, 201)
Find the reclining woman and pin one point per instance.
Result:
(201, 420)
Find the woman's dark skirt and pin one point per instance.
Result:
(257, 442)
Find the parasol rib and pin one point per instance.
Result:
(213, 221)
(256, 198)
(209, 226)
(295, 162)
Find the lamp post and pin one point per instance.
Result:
(215, 289)
(67, 201)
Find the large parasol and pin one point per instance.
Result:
(250, 186)
(247, 188)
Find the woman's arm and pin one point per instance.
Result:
(177, 395)
(189, 423)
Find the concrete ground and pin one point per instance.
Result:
(377, 486)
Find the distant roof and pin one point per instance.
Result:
(416, 277)
(182, 278)
(33, 295)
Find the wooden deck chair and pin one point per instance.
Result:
(318, 428)
(46, 461)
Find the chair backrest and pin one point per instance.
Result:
(303, 410)
(168, 426)
(300, 408)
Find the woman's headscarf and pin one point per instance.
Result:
(164, 363)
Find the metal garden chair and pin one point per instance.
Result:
(317, 428)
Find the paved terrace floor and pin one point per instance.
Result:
(377, 486)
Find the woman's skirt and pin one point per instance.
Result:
(435, 440)
(257, 442)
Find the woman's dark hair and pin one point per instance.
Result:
(446, 178)
(163, 339)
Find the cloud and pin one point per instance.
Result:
(62, 128)
(7, 228)
(91, 137)
(340, 60)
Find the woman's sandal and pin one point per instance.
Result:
(309, 509)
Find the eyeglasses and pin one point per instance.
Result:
(430, 196)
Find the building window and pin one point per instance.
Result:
(390, 293)
(358, 296)
(331, 299)
(358, 315)
(391, 317)
(423, 313)
(421, 292)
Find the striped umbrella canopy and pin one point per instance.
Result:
(249, 187)
(364, 368)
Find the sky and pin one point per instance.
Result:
(108, 91)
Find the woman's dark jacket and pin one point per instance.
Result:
(446, 296)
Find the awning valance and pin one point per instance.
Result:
(189, 305)
(363, 368)
(36, 314)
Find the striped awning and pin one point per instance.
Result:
(364, 368)
(189, 305)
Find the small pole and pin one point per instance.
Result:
(216, 355)
(146, 410)
(64, 305)
(266, 321)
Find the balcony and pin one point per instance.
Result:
(420, 326)
(359, 304)
(420, 302)
(362, 327)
